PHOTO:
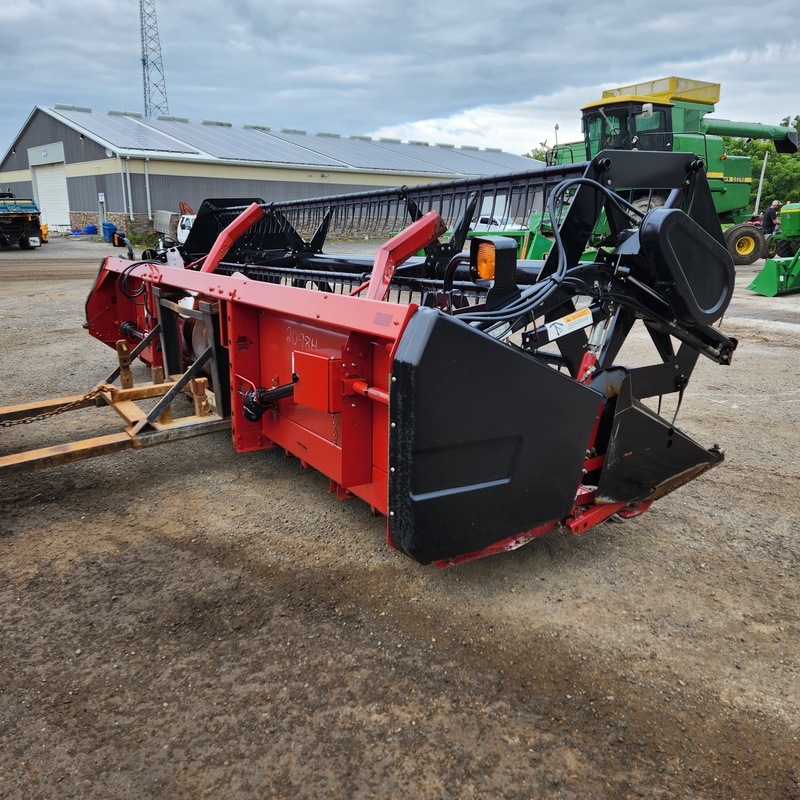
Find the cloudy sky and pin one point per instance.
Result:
(410, 69)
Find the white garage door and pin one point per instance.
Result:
(51, 190)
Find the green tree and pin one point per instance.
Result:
(537, 153)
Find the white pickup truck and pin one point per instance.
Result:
(184, 226)
(486, 222)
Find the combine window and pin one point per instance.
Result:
(654, 129)
(627, 127)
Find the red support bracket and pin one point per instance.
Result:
(411, 240)
(248, 217)
(583, 519)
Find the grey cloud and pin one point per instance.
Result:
(361, 66)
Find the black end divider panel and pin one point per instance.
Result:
(696, 272)
(484, 442)
(647, 457)
(208, 225)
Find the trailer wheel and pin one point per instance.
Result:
(24, 243)
(745, 243)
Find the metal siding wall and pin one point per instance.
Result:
(19, 188)
(42, 129)
(169, 190)
(139, 193)
(77, 151)
(30, 136)
(17, 160)
(116, 199)
(83, 193)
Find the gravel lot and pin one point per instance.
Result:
(186, 622)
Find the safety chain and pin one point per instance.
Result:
(90, 395)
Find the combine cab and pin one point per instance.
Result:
(474, 399)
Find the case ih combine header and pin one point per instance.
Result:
(473, 399)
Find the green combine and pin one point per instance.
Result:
(669, 114)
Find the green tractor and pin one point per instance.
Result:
(670, 114)
(781, 274)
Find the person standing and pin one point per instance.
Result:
(770, 222)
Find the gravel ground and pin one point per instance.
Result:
(185, 621)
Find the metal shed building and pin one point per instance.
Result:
(82, 166)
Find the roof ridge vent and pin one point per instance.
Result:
(171, 118)
(298, 131)
(448, 146)
(362, 138)
(256, 127)
(66, 107)
(389, 140)
(329, 135)
(113, 112)
(217, 123)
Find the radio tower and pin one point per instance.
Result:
(155, 87)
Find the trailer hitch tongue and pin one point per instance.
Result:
(257, 401)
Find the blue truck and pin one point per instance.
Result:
(20, 222)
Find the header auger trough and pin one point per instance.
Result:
(473, 399)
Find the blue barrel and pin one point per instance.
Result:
(90, 230)
(109, 229)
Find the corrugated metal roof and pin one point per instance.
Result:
(130, 134)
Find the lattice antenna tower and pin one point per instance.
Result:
(155, 86)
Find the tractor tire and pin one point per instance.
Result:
(771, 247)
(786, 249)
(645, 204)
(745, 243)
